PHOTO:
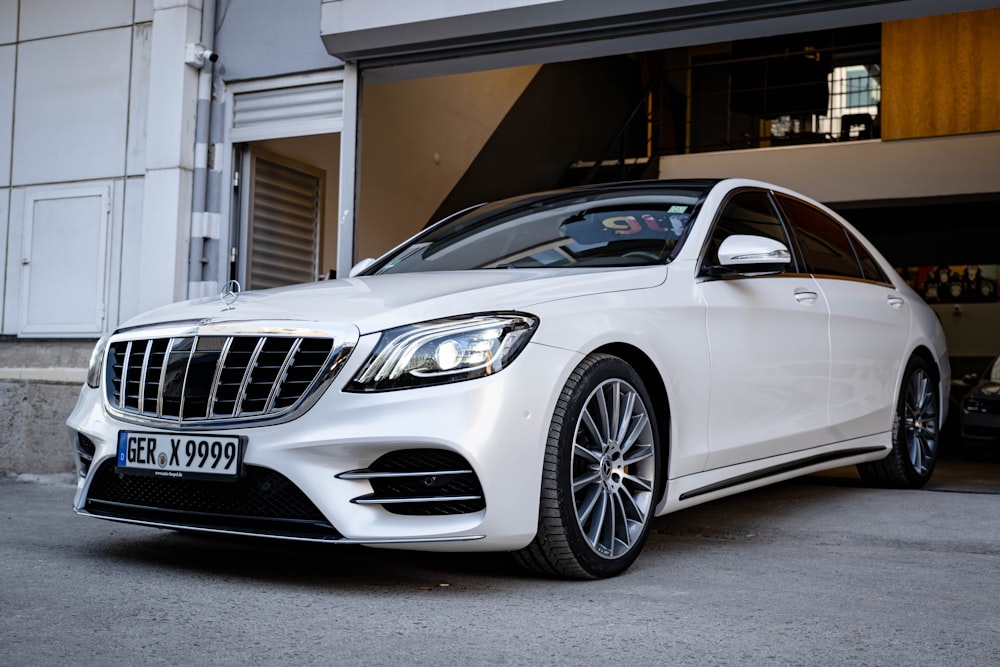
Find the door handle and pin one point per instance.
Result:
(806, 297)
(896, 301)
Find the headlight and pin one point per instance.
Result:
(444, 351)
(972, 405)
(97, 363)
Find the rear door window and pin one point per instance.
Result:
(826, 247)
(869, 267)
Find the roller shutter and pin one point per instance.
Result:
(285, 205)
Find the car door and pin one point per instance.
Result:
(769, 346)
(869, 320)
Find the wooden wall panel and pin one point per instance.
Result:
(941, 75)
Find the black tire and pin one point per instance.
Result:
(915, 433)
(585, 474)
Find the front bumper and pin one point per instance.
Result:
(980, 426)
(498, 425)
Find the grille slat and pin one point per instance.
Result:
(245, 382)
(282, 375)
(213, 393)
(203, 378)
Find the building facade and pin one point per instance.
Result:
(152, 150)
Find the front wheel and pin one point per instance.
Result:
(599, 477)
(915, 433)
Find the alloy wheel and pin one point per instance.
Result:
(920, 421)
(613, 468)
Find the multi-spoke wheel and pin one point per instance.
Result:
(915, 432)
(600, 476)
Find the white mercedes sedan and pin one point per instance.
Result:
(542, 375)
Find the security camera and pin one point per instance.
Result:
(196, 55)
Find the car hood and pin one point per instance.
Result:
(987, 389)
(376, 303)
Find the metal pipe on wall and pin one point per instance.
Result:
(206, 227)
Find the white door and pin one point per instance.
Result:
(868, 328)
(869, 321)
(769, 346)
(770, 356)
(64, 260)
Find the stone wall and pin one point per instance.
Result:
(39, 383)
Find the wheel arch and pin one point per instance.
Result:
(924, 353)
(657, 389)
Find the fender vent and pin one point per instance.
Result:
(85, 449)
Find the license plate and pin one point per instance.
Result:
(181, 456)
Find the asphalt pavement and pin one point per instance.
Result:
(817, 571)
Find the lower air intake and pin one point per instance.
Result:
(260, 501)
(421, 482)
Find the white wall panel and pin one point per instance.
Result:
(4, 219)
(143, 11)
(164, 238)
(138, 100)
(173, 89)
(71, 107)
(131, 267)
(46, 18)
(264, 38)
(8, 21)
(7, 54)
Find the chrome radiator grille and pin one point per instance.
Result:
(192, 379)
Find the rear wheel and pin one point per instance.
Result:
(915, 433)
(600, 475)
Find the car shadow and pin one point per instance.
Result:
(752, 515)
(349, 567)
(305, 563)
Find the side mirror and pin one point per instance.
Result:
(361, 266)
(753, 254)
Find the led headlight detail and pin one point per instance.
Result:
(444, 351)
(97, 363)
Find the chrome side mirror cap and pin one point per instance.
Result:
(744, 253)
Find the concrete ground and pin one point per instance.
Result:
(817, 571)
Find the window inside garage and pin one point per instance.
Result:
(815, 87)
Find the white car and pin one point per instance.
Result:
(541, 375)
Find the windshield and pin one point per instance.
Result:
(564, 229)
(993, 372)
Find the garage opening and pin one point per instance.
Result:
(285, 136)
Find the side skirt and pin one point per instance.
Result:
(780, 470)
(690, 490)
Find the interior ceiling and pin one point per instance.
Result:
(474, 43)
